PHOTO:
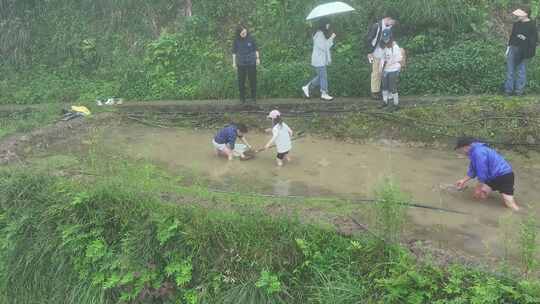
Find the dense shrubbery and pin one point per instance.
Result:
(80, 50)
(62, 242)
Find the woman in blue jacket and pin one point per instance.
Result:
(493, 172)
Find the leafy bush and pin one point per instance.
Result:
(64, 242)
(468, 67)
(151, 51)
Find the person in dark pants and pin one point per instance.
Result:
(521, 47)
(390, 67)
(373, 46)
(245, 59)
(493, 172)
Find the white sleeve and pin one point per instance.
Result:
(397, 53)
(320, 41)
(393, 57)
(275, 133)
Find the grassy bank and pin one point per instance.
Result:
(27, 119)
(505, 122)
(130, 234)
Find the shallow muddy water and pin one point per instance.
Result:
(323, 167)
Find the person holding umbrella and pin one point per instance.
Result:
(323, 40)
(245, 59)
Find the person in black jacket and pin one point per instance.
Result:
(373, 39)
(245, 59)
(521, 47)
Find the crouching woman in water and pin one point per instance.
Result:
(225, 140)
(493, 172)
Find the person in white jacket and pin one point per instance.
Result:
(281, 137)
(321, 57)
(390, 68)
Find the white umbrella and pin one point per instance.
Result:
(327, 9)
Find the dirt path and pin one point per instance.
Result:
(261, 103)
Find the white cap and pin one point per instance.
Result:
(274, 114)
(519, 13)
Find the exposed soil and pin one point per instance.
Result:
(15, 147)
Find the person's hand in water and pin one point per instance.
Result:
(480, 192)
(460, 184)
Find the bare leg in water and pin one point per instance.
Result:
(482, 191)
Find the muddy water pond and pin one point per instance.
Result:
(322, 167)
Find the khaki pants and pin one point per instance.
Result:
(376, 76)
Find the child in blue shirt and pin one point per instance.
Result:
(225, 140)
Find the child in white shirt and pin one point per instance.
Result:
(390, 66)
(281, 137)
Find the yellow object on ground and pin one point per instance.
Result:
(80, 109)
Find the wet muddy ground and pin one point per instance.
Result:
(323, 167)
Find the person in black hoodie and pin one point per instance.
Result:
(521, 47)
(245, 59)
(373, 46)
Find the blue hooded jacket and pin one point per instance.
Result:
(227, 135)
(486, 164)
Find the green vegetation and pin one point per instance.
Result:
(105, 230)
(529, 244)
(67, 51)
(504, 122)
(24, 120)
(494, 119)
(125, 233)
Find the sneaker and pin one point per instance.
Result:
(326, 97)
(383, 105)
(305, 90)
